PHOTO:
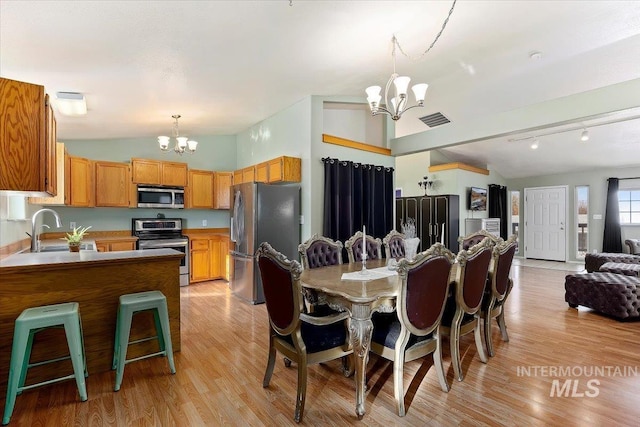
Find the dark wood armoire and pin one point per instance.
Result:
(437, 219)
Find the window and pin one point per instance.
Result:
(629, 205)
(582, 220)
(515, 214)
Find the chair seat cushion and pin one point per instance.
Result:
(319, 338)
(609, 293)
(386, 329)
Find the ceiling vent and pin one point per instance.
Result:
(435, 119)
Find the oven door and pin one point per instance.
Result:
(181, 245)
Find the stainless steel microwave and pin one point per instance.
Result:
(160, 197)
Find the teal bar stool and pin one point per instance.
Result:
(129, 305)
(30, 322)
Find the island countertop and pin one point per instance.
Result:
(56, 260)
(95, 280)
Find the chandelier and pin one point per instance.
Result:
(397, 85)
(182, 144)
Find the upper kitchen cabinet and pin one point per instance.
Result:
(200, 190)
(62, 197)
(112, 184)
(27, 139)
(157, 172)
(285, 169)
(79, 181)
(262, 172)
(222, 182)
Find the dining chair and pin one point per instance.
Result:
(476, 237)
(354, 247)
(394, 245)
(300, 337)
(498, 288)
(414, 330)
(462, 312)
(320, 251)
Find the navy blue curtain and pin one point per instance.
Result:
(498, 207)
(357, 194)
(612, 237)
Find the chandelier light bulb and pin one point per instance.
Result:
(402, 84)
(420, 92)
(182, 143)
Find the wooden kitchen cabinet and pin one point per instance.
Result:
(222, 182)
(113, 245)
(262, 172)
(80, 184)
(27, 139)
(249, 174)
(285, 169)
(157, 172)
(237, 177)
(200, 189)
(112, 184)
(209, 258)
(62, 196)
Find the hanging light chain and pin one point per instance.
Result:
(417, 58)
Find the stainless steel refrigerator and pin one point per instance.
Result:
(261, 213)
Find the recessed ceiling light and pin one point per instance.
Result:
(71, 103)
(585, 136)
(535, 144)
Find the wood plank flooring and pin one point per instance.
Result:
(224, 352)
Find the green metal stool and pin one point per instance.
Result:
(129, 305)
(30, 322)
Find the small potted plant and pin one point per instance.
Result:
(75, 239)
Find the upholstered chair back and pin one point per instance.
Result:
(320, 251)
(354, 247)
(393, 245)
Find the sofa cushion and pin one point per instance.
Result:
(592, 262)
(621, 268)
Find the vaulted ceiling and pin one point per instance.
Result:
(226, 65)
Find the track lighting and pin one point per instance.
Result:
(585, 136)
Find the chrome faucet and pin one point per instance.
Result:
(35, 247)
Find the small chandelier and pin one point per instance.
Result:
(182, 144)
(398, 103)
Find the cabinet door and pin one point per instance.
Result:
(425, 223)
(446, 220)
(262, 172)
(248, 174)
(51, 166)
(81, 182)
(112, 184)
(23, 134)
(215, 250)
(200, 189)
(59, 199)
(237, 177)
(222, 189)
(401, 216)
(122, 246)
(200, 260)
(174, 174)
(145, 171)
(102, 247)
(284, 169)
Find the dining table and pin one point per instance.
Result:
(375, 292)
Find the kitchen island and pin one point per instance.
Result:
(95, 280)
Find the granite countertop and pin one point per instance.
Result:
(71, 259)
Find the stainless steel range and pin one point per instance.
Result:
(163, 233)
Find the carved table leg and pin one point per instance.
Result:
(360, 328)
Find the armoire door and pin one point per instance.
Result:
(426, 221)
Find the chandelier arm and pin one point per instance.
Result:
(417, 58)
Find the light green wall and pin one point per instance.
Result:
(597, 182)
(213, 153)
(286, 133)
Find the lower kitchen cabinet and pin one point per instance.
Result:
(209, 258)
(115, 245)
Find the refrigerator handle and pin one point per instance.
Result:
(232, 234)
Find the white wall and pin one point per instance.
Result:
(354, 122)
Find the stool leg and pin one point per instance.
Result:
(84, 355)
(123, 330)
(116, 343)
(25, 363)
(74, 340)
(166, 334)
(156, 318)
(20, 341)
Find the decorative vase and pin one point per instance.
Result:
(74, 247)
(411, 247)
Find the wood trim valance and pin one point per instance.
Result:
(458, 165)
(336, 140)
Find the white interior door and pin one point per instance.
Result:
(545, 223)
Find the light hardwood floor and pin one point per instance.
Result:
(224, 352)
